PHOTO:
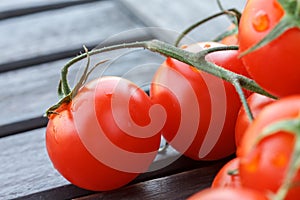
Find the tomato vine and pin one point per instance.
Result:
(292, 126)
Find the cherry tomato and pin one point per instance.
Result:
(104, 137)
(227, 194)
(256, 103)
(274, 66)
(267, 160)
(201, 108)
(231, 39)
(228, 175)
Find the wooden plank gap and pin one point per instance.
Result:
(40, 8)
(59, 193)
(206, 170)
(22, 126)
(177, 186)
(31, 62)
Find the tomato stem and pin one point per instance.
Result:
(241, 94)
(235, 19)
(194, 59)
(231, 12)
(292, 126)
(297, 12)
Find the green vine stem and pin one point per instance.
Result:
(194, 59)
(241, 94)
(292, 126)
(231, 12)
(235, 19)
(297, 12)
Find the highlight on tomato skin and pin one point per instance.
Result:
(215, 100)
(228, 194)
(88, 154)
(270, 157)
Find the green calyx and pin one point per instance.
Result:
(291, 19)
(65, 93)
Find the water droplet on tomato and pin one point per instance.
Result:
(261, 21)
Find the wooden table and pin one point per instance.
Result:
(38, 37)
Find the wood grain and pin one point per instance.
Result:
(26, 171)
(27, 93)
(176, 15)
(177, 186)
(25, 167)
(9, 9)
(7, 5)
(43, 42)
(61, 29)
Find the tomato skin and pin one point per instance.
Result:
(269, 158)
(275, 66)
(231, 39)
(227, 194)
(256, 103)
(73, 157)
(223, 179)
(214, 98)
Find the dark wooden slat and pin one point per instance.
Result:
(30, 62)
(22, 126)
(25, 167)
(27, 93)
(177, 186)
(12, 5)
(43, 6)
(26, 171)
(31, 124)
(58, 193)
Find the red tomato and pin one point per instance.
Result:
(231, 39)
(87, 142)
(256, 103)
(201, 108)
(268, 160)
(274, 66)
(224, 178)
(227, 194)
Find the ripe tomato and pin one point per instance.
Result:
(104, 137)
(227, 194)
(274, 66)
(201, 108)
(224, 178)
(268, 160)
(231, 39)
(256, 103)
